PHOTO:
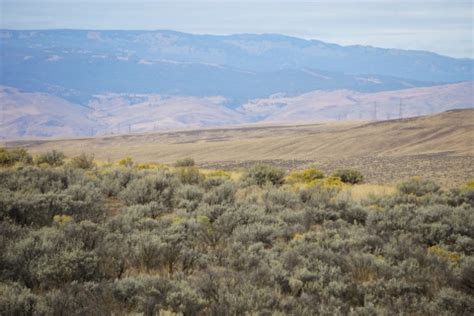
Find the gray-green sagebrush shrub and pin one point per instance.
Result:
(189, 175)
(418, 187)
(80, 202)
(151, 187)
(16, 299)
(115, 180)
(53, 158)
(263, 174)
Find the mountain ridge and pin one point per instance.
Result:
(82, 52)
(211, 79)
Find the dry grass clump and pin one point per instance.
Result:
(361, 192)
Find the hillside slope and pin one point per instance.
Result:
(29, 115)
(350, 105)
(439, 147)
(450, 133)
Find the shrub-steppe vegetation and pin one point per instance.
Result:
(79, 237)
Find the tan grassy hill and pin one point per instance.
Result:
(34, 114)
(40, 115)
(323, 106)
(441, 145)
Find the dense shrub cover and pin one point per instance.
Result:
(124, 240)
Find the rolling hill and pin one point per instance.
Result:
(438, 146)
(33, 115)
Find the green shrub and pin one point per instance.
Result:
(115, 180)
(53, 158)
(189, 175)
(83, 161)
(10, 156)
(349, 176)
(418, 187)
(185, 162)
(263, 174)
(16, 300)
(159, 187)
(221, 195)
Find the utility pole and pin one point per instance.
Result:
(375, 111)
(400, 109)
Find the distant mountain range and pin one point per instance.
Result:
(86, 82)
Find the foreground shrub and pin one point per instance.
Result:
(159, 187)
(16, 300)
(53, 158)
(263, 174)
(349, 176)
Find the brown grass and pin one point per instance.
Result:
(362, 191)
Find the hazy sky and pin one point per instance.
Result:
(442, 26)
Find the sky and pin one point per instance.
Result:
(441, 26)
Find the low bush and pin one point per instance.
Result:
(83, 161)
(349, 176)
(418, 187)
(9, 157)
(263, 174)
(305, 176)
(53, 158)
(185, 162)
(126, 162)
(152, 187)
(189, 175)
